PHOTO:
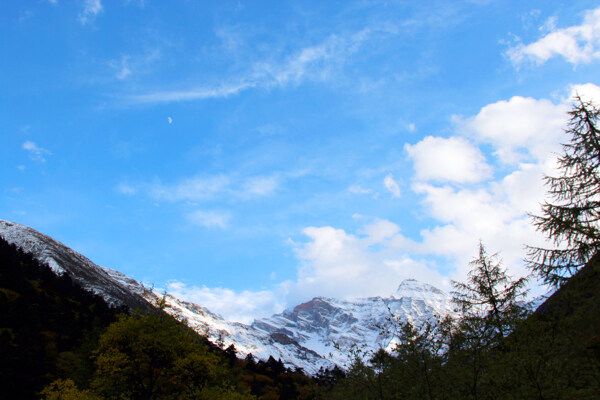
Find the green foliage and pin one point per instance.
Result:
(66, 390)
(571, 220)
(152, 356)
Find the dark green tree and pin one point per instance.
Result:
(489, 305)
(490, 298)
(571, 219)
(418, 358)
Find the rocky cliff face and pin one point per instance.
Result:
(314, 334)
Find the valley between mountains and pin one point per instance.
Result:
(312, 335)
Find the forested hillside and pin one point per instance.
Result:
(58, 341)
(48, 325)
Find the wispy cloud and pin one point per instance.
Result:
(36, 152)
(197, 93)
(391, 185)
(126, 189)
(258, 186)
(191, 189)
(122, 67)
(128, 64)
(91, 8)
(578, 44)
(206, 187)
(357, 189)
(312, 62)
(210, 219)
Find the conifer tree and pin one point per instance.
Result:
(571, 220)
(489, 305)
(490, 294)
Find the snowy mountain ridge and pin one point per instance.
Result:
(311, 335)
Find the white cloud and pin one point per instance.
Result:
(210, 219)
(36, 152)
(520, 129)
(234, 306)
(587, 92)
(579, 44)
(392, 186)
(91, 8)
(448, 160)
(338, 264)
(379, 231)
(468, 216)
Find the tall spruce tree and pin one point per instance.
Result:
(571, 219)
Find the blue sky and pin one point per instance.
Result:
(251, 155)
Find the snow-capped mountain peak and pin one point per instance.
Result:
(416, 290)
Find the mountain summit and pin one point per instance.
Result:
(311, 335)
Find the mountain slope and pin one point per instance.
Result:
(119, 290)
(116, 288)
(302, 337)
